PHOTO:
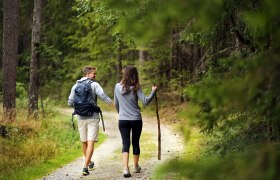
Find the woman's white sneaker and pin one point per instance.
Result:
(126, 173)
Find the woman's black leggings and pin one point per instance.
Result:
(125, 127)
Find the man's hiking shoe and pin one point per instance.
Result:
(137, 169)
(126, 173)
(91, 165)
(85, 171)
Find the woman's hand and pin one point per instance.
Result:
(154, 88)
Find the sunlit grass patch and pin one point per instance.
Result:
(148, 145)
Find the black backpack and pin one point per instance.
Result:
(84, 104)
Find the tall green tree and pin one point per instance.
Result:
(35, 57)
(95, 42)
(10, 52)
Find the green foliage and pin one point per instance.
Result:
(21, 96)
(54, 68)
(239, 93)
(263, 24)
(20, 91)
(201, 38)
(141, 18)
(23, 68)
(261, 164)
(25, 33)
(223, 143)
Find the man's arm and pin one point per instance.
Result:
(100, 93)
(71, 96)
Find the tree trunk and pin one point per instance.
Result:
(35, 55)
(10, 51)
(119, 63)
(172, 47)
(141, 56)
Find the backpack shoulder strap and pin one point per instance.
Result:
(87, 81)
(90, 81)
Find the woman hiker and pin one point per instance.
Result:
(126, 96)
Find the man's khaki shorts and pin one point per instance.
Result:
(88, 129)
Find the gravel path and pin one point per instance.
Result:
(108, 159)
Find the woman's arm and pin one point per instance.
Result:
(146, 99)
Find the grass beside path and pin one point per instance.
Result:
(36, 148)
(219, 156)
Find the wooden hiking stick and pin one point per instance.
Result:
(102, 120)
(72, 121)
(159, 133)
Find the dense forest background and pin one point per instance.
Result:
(216, 63)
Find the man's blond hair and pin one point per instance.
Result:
(88, 69)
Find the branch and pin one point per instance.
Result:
(239, 36)
(201, 59)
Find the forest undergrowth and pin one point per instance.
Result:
(243, 154)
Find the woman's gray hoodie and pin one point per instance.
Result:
(127, 103)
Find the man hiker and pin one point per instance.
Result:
(88, 123)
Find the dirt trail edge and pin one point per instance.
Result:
(107, 157)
